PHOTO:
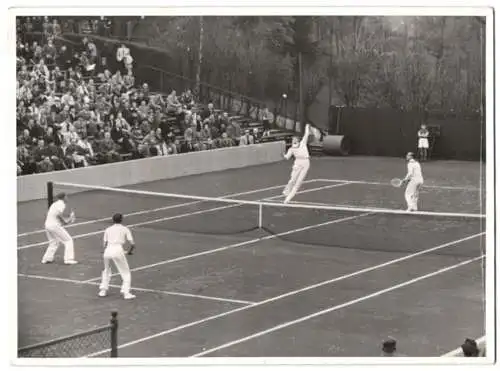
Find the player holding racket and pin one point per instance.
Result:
(56, 233)
(115, 238)
(414, 181)
(300, 167)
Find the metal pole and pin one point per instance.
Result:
(301, 96)
(338, 120)
(330, 80)
(50, 193)
(286, 113)
(114, 334)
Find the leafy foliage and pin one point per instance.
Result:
(409, 62)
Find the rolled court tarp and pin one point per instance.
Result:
(336, 145)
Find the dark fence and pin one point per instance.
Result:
(77, 345)
(391, 132)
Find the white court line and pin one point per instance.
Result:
(152, 221)
(309, 190)
(235, 245)
(388, 184)
(139, 289)
(337, 307)
(291, 293)
(148, 211)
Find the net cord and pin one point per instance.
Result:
(271, 204)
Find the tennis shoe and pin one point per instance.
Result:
(47, 261)
(128, 296)
(70, 262)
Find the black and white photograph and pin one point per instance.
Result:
(253, 186)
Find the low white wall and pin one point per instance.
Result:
(34, 187)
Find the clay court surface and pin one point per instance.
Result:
(313, 283)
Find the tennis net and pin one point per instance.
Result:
(388, 230)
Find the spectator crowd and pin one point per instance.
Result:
(73, 111)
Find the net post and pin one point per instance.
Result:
(50, 193)
(260, 216)
(114, 334)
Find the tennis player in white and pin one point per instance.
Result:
(414, 181)
(300, 167)
(115, 238)
(56, 233)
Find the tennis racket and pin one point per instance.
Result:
(71, 217)
(70, 214)
(396, 182)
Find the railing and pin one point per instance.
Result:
(229, 101)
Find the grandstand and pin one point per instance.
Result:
(75, 109)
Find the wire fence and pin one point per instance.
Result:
(77, 345)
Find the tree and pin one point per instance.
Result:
(409, 62)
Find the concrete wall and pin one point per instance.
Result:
(33, 187)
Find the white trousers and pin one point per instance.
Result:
(423, 143)
(57, 234)
(116, 255)
(412, 193)
(299, 173)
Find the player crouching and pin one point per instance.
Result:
(56, 233)
(115, 238)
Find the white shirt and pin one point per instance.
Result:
(415, 171)
(55, 212)
(120, 54)
(117, 235)
(299, 153)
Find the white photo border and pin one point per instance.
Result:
(286, 8)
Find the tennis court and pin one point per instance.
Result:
(313, 279)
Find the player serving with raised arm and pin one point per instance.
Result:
(115, 238)
(301, 165)
(56, 233)
(413, 180)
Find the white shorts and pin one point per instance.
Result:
(423, 143)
